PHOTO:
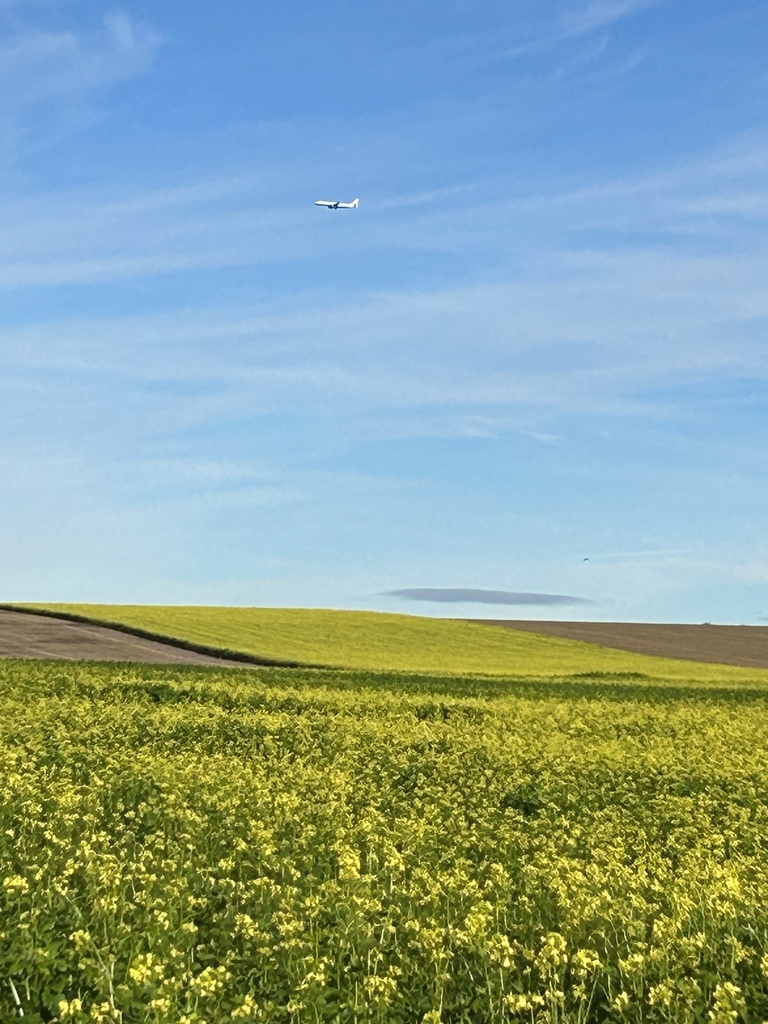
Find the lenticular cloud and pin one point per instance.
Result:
(459, 595)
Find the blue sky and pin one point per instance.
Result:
(540, 339)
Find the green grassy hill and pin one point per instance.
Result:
(373, 640)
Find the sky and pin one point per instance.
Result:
(533, 361)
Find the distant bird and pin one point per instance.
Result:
(585, 559)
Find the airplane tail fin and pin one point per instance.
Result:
(355, 202)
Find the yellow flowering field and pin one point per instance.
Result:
(196, 846)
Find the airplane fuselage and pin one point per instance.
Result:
(335, 204)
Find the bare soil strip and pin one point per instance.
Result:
(24, 635)
(725, 645)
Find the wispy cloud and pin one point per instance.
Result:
(50, 77)
(579, 19)
(601, 13)
(652, 555)
(587, 334)
(36, 64)
(240, 219)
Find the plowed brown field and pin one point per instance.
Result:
(36, 636)
(726, 645)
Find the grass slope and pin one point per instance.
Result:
(373, 640)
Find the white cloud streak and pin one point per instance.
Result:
(598, 334)
(601, 13)
(241, 220)
(36, 64)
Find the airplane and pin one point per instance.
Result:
(330, 205)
